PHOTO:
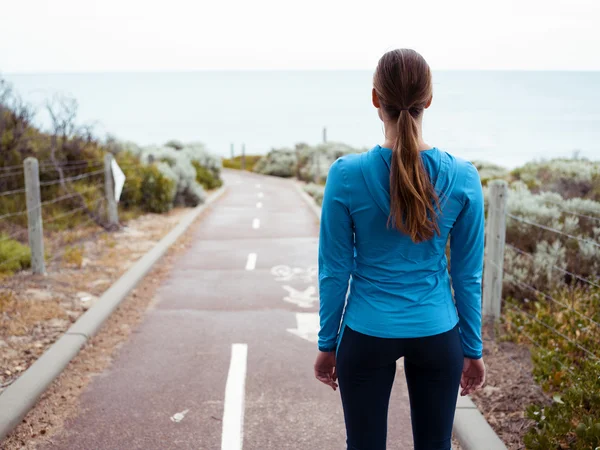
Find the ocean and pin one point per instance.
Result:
(508, 118)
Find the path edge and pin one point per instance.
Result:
(470, 427)
(22, 395)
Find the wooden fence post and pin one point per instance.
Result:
(495, 235)
(318, 167)
(34, 215)
(109, 190)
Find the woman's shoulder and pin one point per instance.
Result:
(463, 168)
(347, 164)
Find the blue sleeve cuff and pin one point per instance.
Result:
(326, 349)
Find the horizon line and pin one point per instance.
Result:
(190, 71)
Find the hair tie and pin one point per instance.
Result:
(404, 109)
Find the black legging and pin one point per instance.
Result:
(366, 367)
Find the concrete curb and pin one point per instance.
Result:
(22, 395)
(470, 427)
(316, 209)
(472, 430)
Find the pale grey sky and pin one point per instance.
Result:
(173, 35)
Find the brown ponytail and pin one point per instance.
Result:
(403, 85)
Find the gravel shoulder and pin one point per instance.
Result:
(509, 389)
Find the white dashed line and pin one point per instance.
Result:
(259, 205)
(235, 393)
(258, 186)
(251, 263)
(261, 195)
(256, 224)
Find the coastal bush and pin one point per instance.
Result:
(279, 163)
(189, 166)
(308, 163)
(14, 256)
(571, 178)
(488, 171)
(547, 253)
(316, 191)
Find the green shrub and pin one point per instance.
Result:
(206, 177)
(14, 256)
(158, 191)
(567, 373)
(236, 162)
(146, 187)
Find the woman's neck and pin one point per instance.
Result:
(391, 133)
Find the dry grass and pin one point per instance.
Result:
(20, 316)
(73, 256)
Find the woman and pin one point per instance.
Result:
(386, 219)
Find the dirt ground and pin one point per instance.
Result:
(55, 301)
(36, 310)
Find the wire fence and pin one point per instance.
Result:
(34, 221)
(568, 330)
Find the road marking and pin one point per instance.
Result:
(251, 262)
(258, 185)
(304, 299)
(287, 273)
(261, 195)
(256, 224)
(307, 326)
(259, 205)
(178, 417)
(233, 408)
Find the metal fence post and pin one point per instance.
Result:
(109, 189)
(495, 235)
(34, 215)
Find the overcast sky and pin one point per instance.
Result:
(174, 35)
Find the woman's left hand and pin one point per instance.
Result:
(325, 369)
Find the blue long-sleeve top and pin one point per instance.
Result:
(375, 279)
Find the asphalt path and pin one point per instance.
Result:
(223, 359)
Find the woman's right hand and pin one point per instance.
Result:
(473, 375)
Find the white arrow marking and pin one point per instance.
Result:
(307, 326)
(256, 224)
(178, 417)
(235, 393)
(304, 299)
